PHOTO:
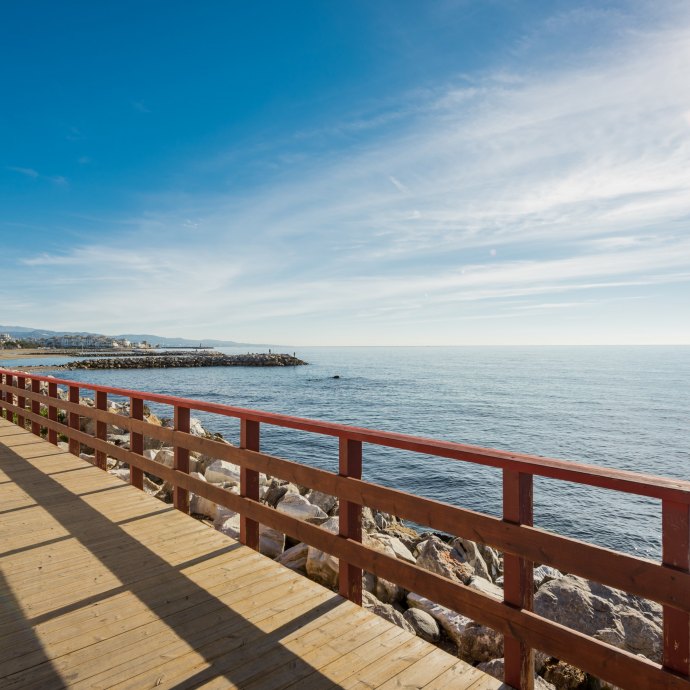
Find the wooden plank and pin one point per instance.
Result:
(422, 672)
(238, 630)
(84, 648)
(463, 675)
(397, 660)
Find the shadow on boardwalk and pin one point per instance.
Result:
(228, 643)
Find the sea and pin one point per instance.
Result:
(619, 407)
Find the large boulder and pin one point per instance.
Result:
(271, 542)
(198, 505)
(452, 622)
(324, 501)
(322, 567)
(623, 620)
(222, 472)
(479, 643)
(299, 507)
(371, 603)
(440, 558)
(295, 557)
(544, 574)
(485, 560)
(165, 456)
(424, 625)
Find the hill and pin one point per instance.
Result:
(35, 333)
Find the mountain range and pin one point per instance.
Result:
(33, 333)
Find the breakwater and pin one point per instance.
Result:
(171, 360)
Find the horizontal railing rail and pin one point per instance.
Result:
(522, 544)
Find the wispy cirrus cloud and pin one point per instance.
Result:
(35, 175)
(27, 172)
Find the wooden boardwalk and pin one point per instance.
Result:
(103, 586)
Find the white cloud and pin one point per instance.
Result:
(28, 172)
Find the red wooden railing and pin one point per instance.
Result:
(522, 544)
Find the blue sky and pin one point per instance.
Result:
(373, 172)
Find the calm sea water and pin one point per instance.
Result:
(626, 408)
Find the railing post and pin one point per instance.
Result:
(74, 445)
(2, 396)
(181, 462)
(518, 579)
(249, 482)
(675, 526)
(136, 442)
(101, 429)
(52, 413)
(36, 406)
(21, 401)
(350, 519)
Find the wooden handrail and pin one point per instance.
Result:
(522, 544)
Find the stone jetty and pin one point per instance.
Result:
(169, 360)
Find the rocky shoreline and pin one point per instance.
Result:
(623, 620)
(170, 360)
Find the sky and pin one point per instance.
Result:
(370, 172)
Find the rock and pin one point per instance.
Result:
(274, 492)
(198, 505)
(424, 625)
(486, 587)
(119, 440)
(295, 557)
(544, 574)
(63, 446)
(386, 591)
(152, 443)
(196, 428)
(121, 473)
(443, 559)
(493, 560)
(271, 541)
(299, 507)
(165, 456)
(150, 453)
(386, 611)
(564, 676)
(322, 567)
(452, 622)
(479, 643)
(153, 489)
(203, 462)
(623, 620)
(88, 457)
(222, 471)
(495, 668)
(387, 544)
(408, 536)
(374, 520)
(469, 553)
(323, 501)
(230, 526)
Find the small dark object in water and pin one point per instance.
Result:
(337, 376)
